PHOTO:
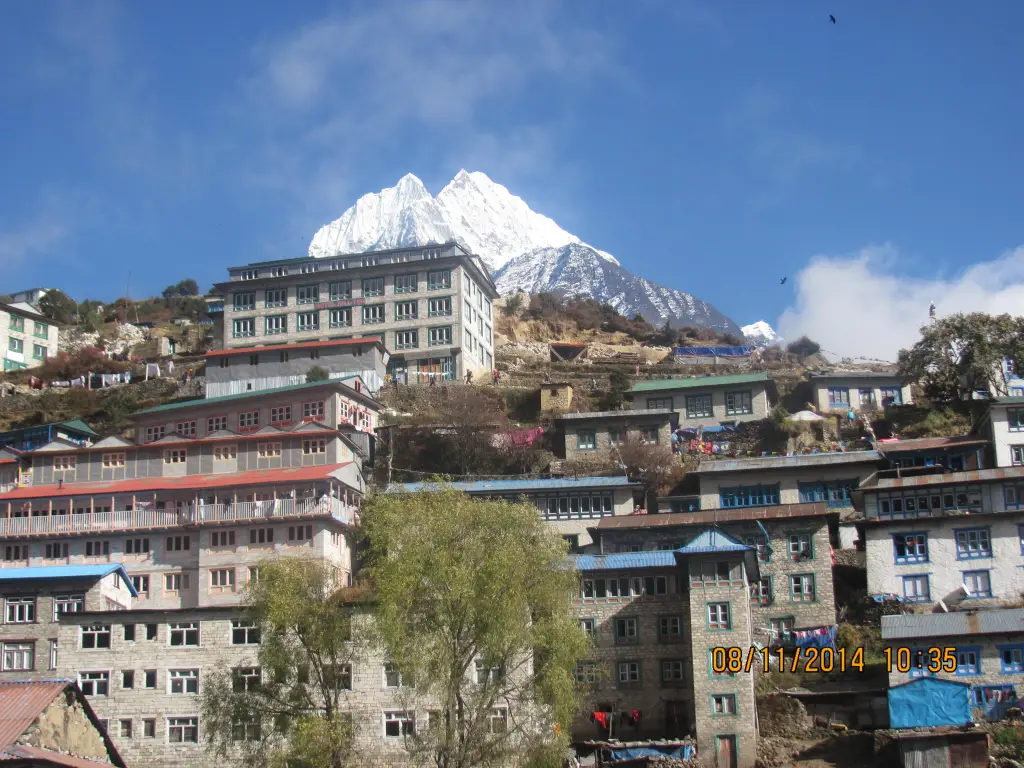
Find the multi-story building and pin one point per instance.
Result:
(932, 534)
(571, 505)
(858, 391)
(27, 338)
(707, 401)
(432, 307)
(596, 436)
(655, 618)
(984, 649)
(29, 438)
(1003, 425)
(955, 453)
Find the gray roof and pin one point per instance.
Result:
(856, 375)
(624, 414)
(788, 462)
(987, 622)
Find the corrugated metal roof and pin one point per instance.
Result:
(987, 622)
(512, 486)
(300, 345)
(260, 393)
(656, 385)
(22, 701)
(929, 443)
(1008, 401)
(184, 482)
(79, 425)
(788, 462)
(37, 572)
(713, 541)
(625, 560)
(855, 375)
(44, 757)
(625, 414)
(943, 478)
(708, 516)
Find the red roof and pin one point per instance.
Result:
(300, 345)
(44, 757)
(179, 439)
(21, 702)
(183, 483)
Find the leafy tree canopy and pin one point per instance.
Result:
(317, 373)
(58, 307)
(803, 347)
(186, 287)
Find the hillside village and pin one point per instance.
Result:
(726, 508)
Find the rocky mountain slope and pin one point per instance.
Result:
(525, 249)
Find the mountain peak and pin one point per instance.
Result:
(760, 333)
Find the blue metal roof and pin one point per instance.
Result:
(713, 541)
(40, 572)
(520, 486)
(624, 560)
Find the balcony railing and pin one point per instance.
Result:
(144, 516)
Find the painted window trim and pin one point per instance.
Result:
(991, 593)
(907, 560)
(810, 544)
(627, 642)
(735, 705)
(661, 637)
(712, 675)
(956, 542)
(814, 585)
(928, 580)
(639, 674)
(1002, 662)
(707, 615)
(976, 649)
(579, 439)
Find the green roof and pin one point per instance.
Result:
(79, 425)
(658, 385)
(239, 396)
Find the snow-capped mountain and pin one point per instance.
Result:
(525, 249)
(760, 334)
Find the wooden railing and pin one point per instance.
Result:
(193, 514)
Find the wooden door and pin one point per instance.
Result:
(725, 751)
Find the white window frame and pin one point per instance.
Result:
(307, 321)
(183, 723)
(185, 679)
(94, 679)
(19, 656)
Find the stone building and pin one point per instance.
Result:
(956, 454)
(34, 600)
(858, 391)
(431, 306)
(984, 649)
(555, 398)
(1003, 425)
(708, 400)
(252, 369)
(49, 723)
(595, 436)
(27, 337)
(931, 534)
(655, 618)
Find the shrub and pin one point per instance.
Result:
(65, 366)
(803, 347)
(317, 373)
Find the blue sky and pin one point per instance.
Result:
(711, 146)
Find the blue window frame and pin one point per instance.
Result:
(749, 496)
(1015, 419)
(838, 397)
(919, 663)
(968, 661)
(910, 548)
(835, 493)
(973, 543)
(892, 396)
(916, 588)
(1013, 496)
(978, 584)
(1011, 658)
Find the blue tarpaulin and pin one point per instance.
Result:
(929, 702)
(632, 753)
(712, 351)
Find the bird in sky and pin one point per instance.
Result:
(784, 281)
(832, 18)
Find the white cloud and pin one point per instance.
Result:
(859, 305)
(38, 238)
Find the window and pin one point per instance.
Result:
(626, 631)
(15, 345)
(589, 626)
(128, 678)
(407, 339)
(399, 723)
(405, 283)
(281, 414)
(17, 323)
(58, 550)
(254, 574)
(184, 634)
(222, 579)
(277, 297)
(64, 463)
(178, 543)
(738, 402)
(439, 307)
(723, 704)
(749, 496)
(149, 728)
(649, 435)
(716, 572)
(175, 456)
(268, 450)
(761, 591)
(275, 324)
(440, 336)
(149, 678)
(222, 539)
(910, 547)
(16, 552)
(438, 279)
(113, 460)
(672, 672)
(782, 628)
(216, 423)
(340, 290)
(308, 321)
(125, 728)
(978, 583)
(245, 679)
(38, 352)
(760, 545)
(392, 677)
(973, 543)
(373, 313)
(313, 447)
(183, 730)
(586, 673)
(836, 493)
(19, 656)
(586, 439)
(96, 636)
(248, 419)
(21, 610)
(244, 301)
(314, 410)
(308, 268)
(800, 546)
(136, 546)
(406, 310)
(801, 588)
(94, 683)
(968, 662)
(373, 286)
(97, 548)
(340, 318)
(892, 396)
(867, 398)
(669, 629)
(469, 311)
(628, 673)
(307, 294)
(261, 535)
(300, 533)
(244, 632)
(174, 583)
(483, 673)
(916, 589)
(155, 433)
(659, 402)
(718, 616)
(838, 397)
(141, 584)
(699, 407)
(1012, 657)
(1015, 419)
(244, 327)
(1017, 455)
(183, 681)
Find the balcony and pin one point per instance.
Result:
(144, 516)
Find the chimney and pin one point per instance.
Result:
(60, 483)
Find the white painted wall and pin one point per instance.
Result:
(1002, 438)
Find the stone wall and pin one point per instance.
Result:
(65, 727)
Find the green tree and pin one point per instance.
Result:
(619, 384)
(295, 715)
(317, 373)
(186, 287)
(58, 307)
(962, 353)
(803, 347)
(473, 605)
